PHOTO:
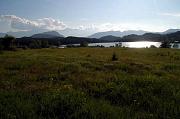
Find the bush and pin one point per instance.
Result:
(1, 47)
(165, 45)
(84, 44)
(153, 46)
(114, 57)
(25, 47)
(35, 44)
(8, 42)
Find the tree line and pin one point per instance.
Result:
(11, 43)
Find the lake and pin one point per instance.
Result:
(141, 44)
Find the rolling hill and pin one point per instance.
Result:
(50, 34)
(117, 33)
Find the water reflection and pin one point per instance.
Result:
(142, 44)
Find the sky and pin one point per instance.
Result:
(89, 15)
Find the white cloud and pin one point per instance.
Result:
(25, 24)
(82, 28)
(19, 23)
(87, 27)
(51, 24)
(171, 14)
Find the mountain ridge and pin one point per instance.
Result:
(49, 34)
(170, 31)
(117, 33)
(68, 32)
(128, 32)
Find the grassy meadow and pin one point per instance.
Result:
(84, 83)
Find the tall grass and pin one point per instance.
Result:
(83, 83)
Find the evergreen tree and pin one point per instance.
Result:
(8, 42)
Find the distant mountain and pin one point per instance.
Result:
(76, 32)
(145, 37)
(131, 38)
(170, 31)
(173, 36)
(109, 38)
(117, 33)
(19, 34)
(50, 34)
(2, 35)
(66, 32)
(83, 33)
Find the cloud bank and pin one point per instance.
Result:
(80, 29)
(171, 14)
(26, 24)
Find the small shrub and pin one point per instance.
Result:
(84, 44)
(25, 47)
(114, 57)
(88, 55)
(165, 44)
(153, 46)
(1, 49)
(8, 42)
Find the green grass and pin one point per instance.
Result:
(84, 83)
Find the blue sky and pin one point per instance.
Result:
(97, 15)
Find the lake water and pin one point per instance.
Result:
(175, 45)
(139, 44)
(142, 44)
